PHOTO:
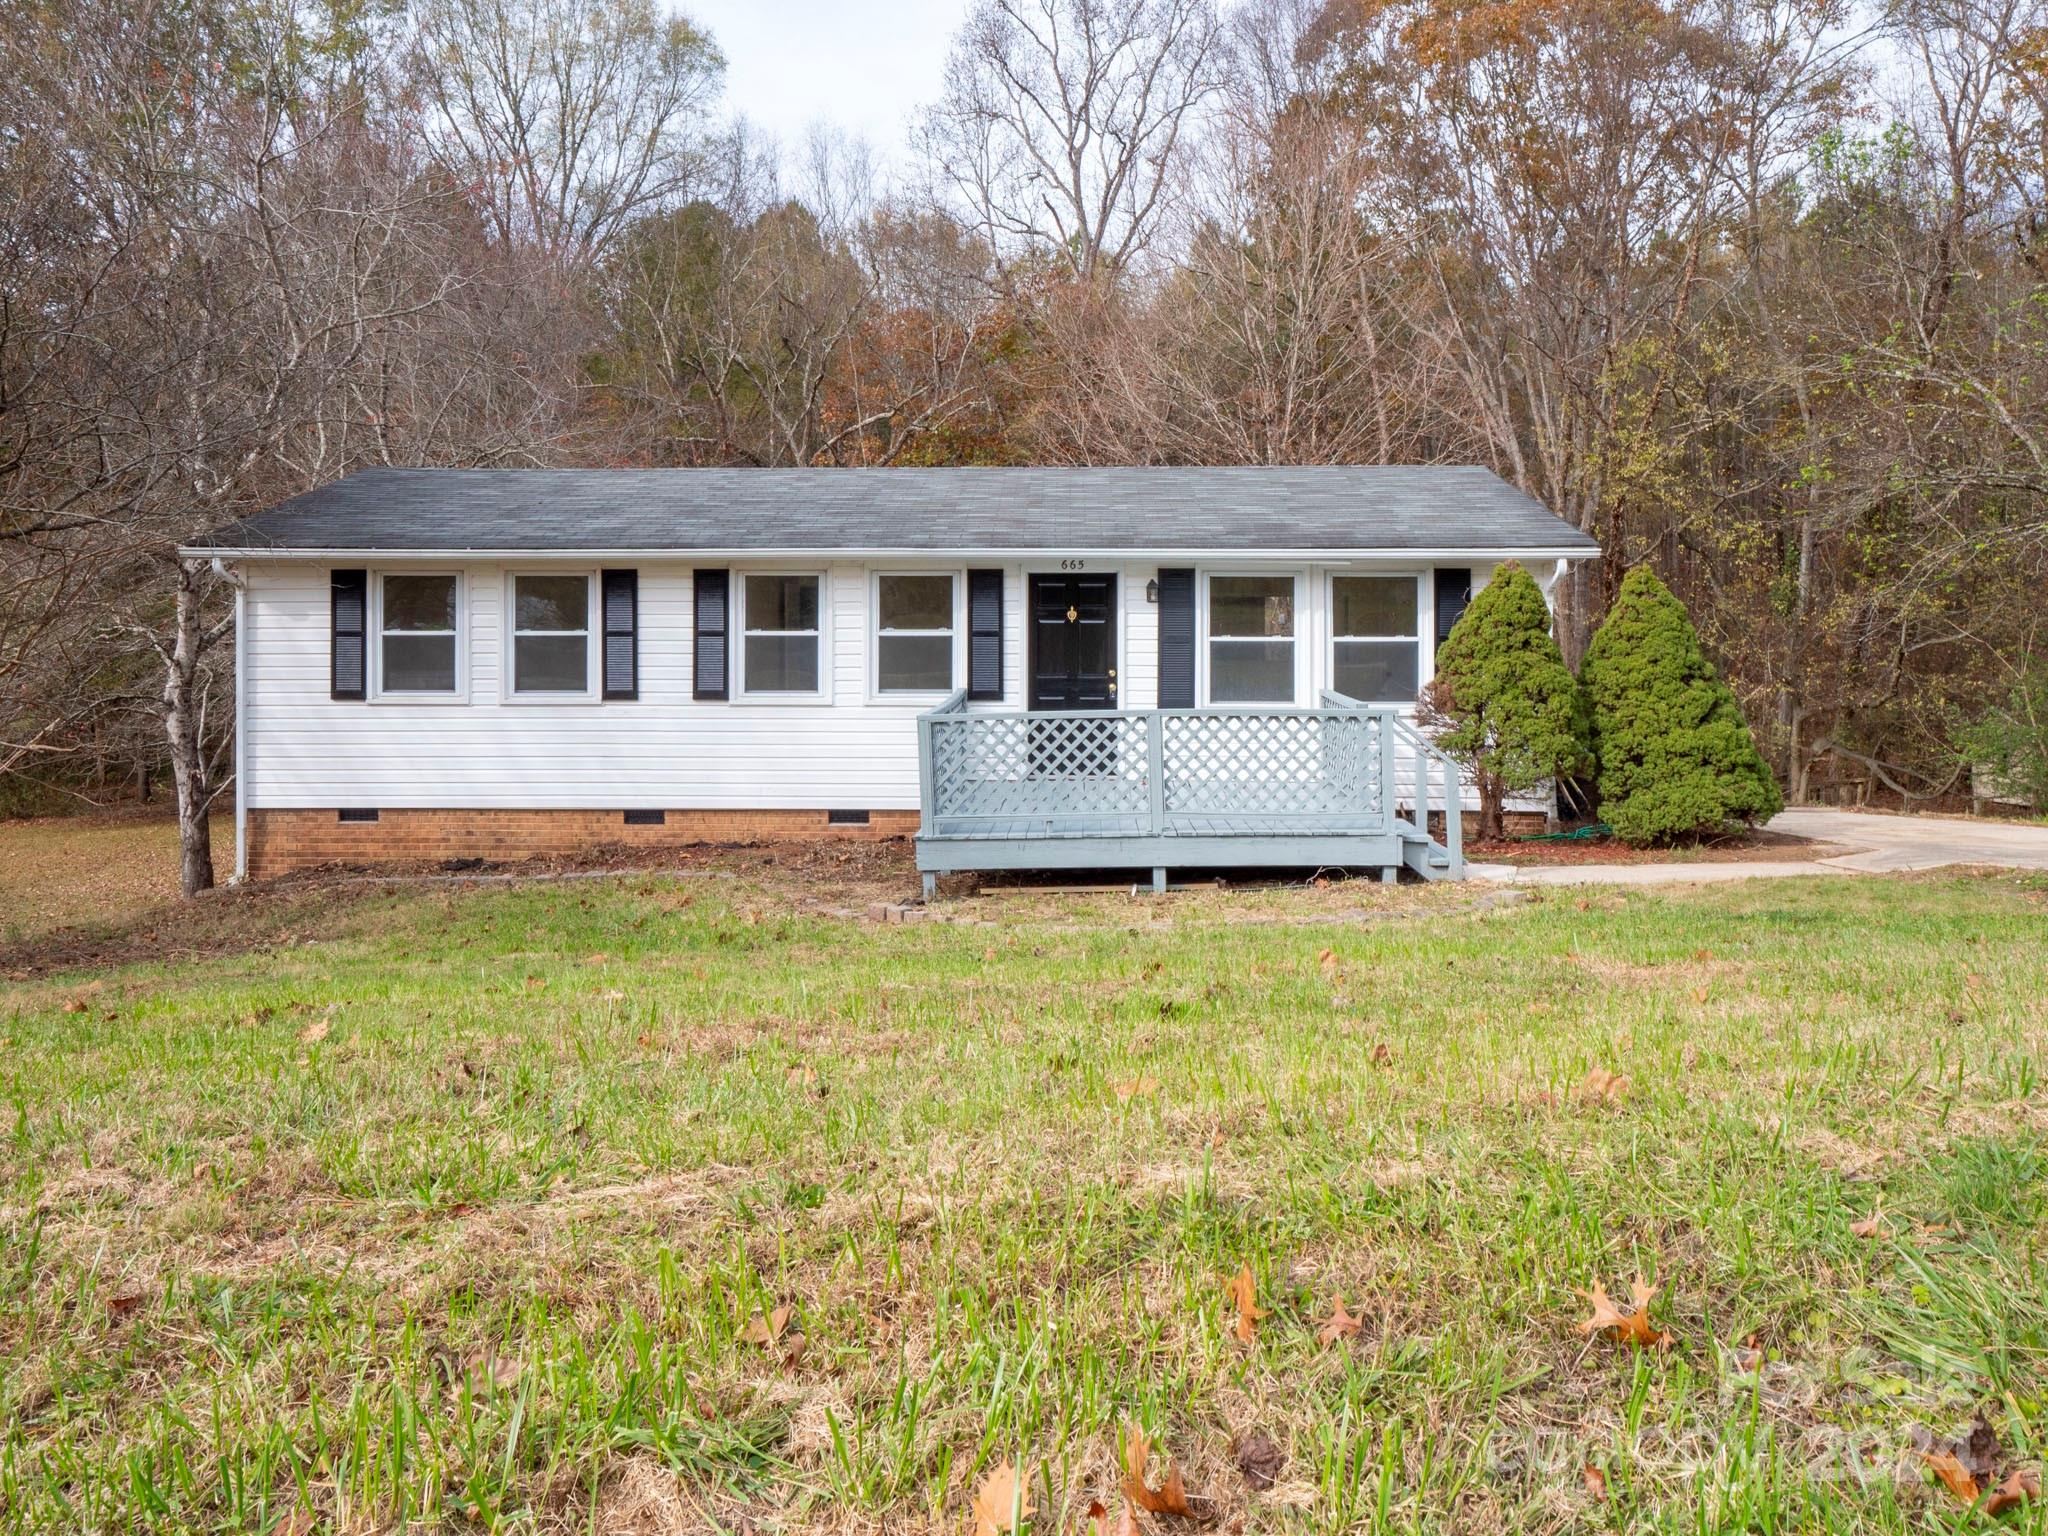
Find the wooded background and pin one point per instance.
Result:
(1754, 290)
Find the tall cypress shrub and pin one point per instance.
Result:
(1676, 757)
(1503, 703)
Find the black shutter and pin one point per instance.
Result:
(1453, 592)
(984, 634)
(621, 634)
(714, 618)
(348, 653)
(1177, 638)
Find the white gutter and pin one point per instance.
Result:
(241, 714)
(969, 552)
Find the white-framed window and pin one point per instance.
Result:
(1251, 638)
(781, 629)
(1376, 637)
(419, 634)
(917, 627)
(551, 649)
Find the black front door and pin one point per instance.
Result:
(1073, 642)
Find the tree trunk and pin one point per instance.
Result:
(1492, 795)
(181, 726)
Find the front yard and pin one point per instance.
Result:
(479, 1208)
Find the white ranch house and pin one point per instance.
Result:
(1035, 668)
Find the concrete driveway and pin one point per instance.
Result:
(1868, 845)
(1918, 842)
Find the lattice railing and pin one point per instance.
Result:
(1041, 765)
(1158, 771)
(1287, 764)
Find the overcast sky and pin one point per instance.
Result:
(864, 65)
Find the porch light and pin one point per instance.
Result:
(1152, 590)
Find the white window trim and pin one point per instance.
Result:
(877, 694)
(740, 692)
(1203, 637)
(592, 641)
(1425, 625)
(459, 694)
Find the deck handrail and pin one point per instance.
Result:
(955, 703)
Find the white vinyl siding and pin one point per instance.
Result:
(484, 749)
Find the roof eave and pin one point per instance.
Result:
(963, 552)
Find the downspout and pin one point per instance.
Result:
(241, 717)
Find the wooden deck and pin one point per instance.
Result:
(1183, 789)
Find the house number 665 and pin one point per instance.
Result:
(1073, 565)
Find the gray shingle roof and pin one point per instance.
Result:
(1378, 507)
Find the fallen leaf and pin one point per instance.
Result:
(298, 1523)
(766, 1330)
(1953, 1474)
(1596, 1482)
(488, 1368)
(1259, 1459)
(1170, 1498)
(78, 1005)
(2016, 1489)
(614, 995)
(121, 1303)
(1243, 1292)
(1382, 1054)
(802, 1074)
(1601, 1086)
(1001, 1503)
(1633, 1326)
(1327, 959)
(1700, 994)
(1126, 1522)
(1340, 1324)
(648, 1042)
(313, 1033)
(536, 982)
(1981, 1451)
(1871, 1225)
(1135, 1087)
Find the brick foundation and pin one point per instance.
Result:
(1516, 823)
(283, 841)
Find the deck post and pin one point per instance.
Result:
(927, 792)
(1158, 881)
(931, 885)
(1454, 806)
(1390, 874)
(1389, 794)
(1155, 779)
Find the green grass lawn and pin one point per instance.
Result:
(457, 1213)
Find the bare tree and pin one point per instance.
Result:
(568, 117)
(262, 286)
(1062, 122)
